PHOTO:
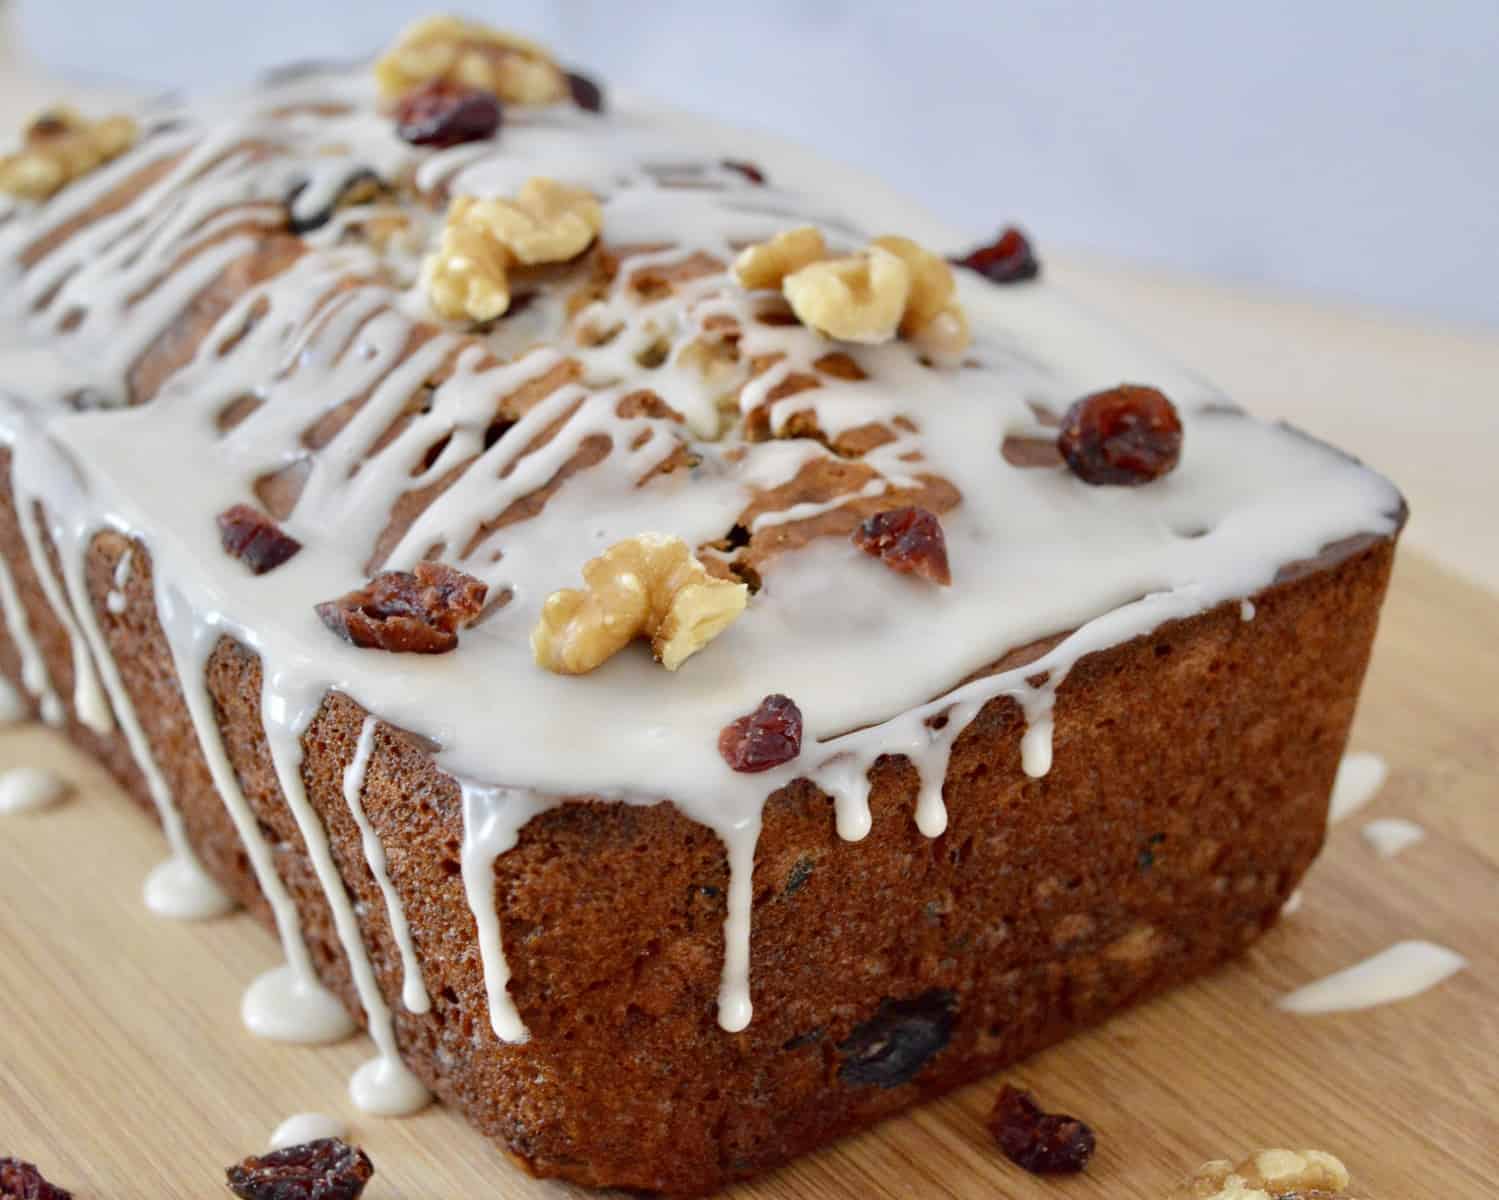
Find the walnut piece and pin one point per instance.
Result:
(860, 298)
(1270, 1175)
(933, 318)
(483, 238)
(648, 586)
(468, 54)
(59, 146)
(766, 264)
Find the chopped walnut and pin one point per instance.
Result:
(861, 298)
(468, 54)
(61, 145)
(766, 264)
(933, 318)
(1270, 1175)
(648, 586)
(483, 238)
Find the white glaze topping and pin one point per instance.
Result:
(1399, 972)
(1390, 835)
(300, 1128)
(1034, 552)
(1360, 776)
(26, 789)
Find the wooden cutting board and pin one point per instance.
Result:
(125, 1072)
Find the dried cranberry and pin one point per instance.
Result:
(903, 1036)
(748, 169)
(1127, 435)
(22, 1181)
(1043, 1143)
(586, 94)
(765, 738)
(908, 540)
(327, 1169)
(445, 114)
(1009, 258)
(407, 612)
(255, 539)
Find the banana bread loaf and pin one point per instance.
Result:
(931, 693)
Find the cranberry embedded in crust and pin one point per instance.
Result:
(586, 94)
(407, 612)
(765, 738)
(22, 1181)
(327, 1169)
(255, 539)
(908, 540)
(1009, 258)
(1125, 436)
(442, 114)
(1043, 1143)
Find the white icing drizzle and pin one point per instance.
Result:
(1034, 553)
(1399, 972)
(384, 1085)
(180, 888)
(115, 600)
(300, 1128)
(12, 706)
(1390, 835)
(413, 991)
(34, 674)
(1293, 903)
(1360, 776)
(1246, 610)
(27, 789)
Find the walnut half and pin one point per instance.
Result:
(62, 145)
(1270, 1175)
(649, 586)
(466, 53)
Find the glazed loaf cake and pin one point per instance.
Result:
(689, 675)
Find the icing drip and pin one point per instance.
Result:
(492, 821)
(181, 889)
(34, 673)
(1360, 776)
(1390, 835)
(328, 346)
(115, 600)
(1403, 970)
(413, 991)
(1246, 610)
(12, 707)
(384, 1085)
(1293, 903)
(300, 1128)
(26, 789)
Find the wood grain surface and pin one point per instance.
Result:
(125, 1072)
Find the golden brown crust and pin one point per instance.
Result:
(1165, 839)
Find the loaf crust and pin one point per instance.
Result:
(1187, 797)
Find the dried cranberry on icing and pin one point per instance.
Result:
(765, 738)
(586, 94)
(908, 540)
(327, 1169)
(1125, 436)
(1043, 1143)
(22, 1181)
(1009, 258)
(407, 612)
(255, 539)
(445, 114)
(748, 169)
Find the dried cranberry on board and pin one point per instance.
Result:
(255, 539)
(327, 1169)
(1125, 436)
(1009, 258)
(407, 612)
(908, 540)
(586, 94)
(765, 738)
(1041, 1142)
(22, 1181)
(748, 169)
(444, 114)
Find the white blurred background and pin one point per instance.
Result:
(1343, 148)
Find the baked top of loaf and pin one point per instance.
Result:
(235, 310)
